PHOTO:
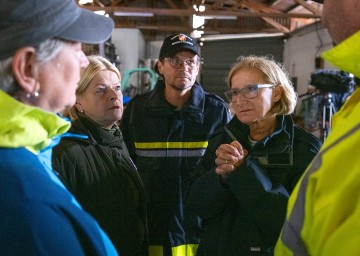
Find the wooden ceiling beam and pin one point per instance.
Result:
(258, 8)
(277, 25)
(308, 7)
(218, 4)
(174, 7)
(207, 29)
(191, 11)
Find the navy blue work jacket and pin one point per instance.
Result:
(166, 144)
(244, 212)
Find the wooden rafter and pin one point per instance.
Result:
(190, 11)
(259, 8)
(308, 7)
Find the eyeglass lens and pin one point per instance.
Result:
(176, 63)
(248, 92)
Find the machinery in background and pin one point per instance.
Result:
(146, 80)
(328, 91)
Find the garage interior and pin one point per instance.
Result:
(288, 30)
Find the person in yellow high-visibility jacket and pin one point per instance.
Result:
(323, 215)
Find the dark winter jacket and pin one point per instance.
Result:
(166, 144)
(244, 212)
(103, 178)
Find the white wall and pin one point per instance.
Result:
(154, 49)
(130, 46)
(300, 51)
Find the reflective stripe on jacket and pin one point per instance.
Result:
(166, 143)
(324, 209)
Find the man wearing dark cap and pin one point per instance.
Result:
(167, 132)
(324, 209)
(40, 62)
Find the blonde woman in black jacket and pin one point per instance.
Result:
(94, 163)
(252, 164)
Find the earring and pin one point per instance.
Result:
(33, 95)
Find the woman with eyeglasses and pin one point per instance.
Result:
(252, 164)
(167, 131)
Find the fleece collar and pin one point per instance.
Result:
(27, 126)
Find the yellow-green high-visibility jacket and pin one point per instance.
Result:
(39, 216)
(323, 217)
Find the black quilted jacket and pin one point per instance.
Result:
(101, 175)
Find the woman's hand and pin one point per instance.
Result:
(229, 157)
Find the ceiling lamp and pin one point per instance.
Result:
(134, 14)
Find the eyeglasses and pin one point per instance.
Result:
(176, 63)
(248, 92)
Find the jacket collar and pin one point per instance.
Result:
(96, 133)
(280, 141)
(26, 126)
(193, 109)
(156, 100)
(346, 55)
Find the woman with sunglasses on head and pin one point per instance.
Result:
(252, 164)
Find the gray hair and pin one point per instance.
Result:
(45, 51)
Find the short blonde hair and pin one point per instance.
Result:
(274, 73)
(97, 63)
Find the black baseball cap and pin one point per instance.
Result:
(30, 22)
(178, 42)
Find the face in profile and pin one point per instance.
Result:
(59, 78)
(102, 101)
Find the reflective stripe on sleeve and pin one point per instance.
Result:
(181, 250)
(171, 149)
(171, 153)
(185, 250)
(171, 145)
(291, 233)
